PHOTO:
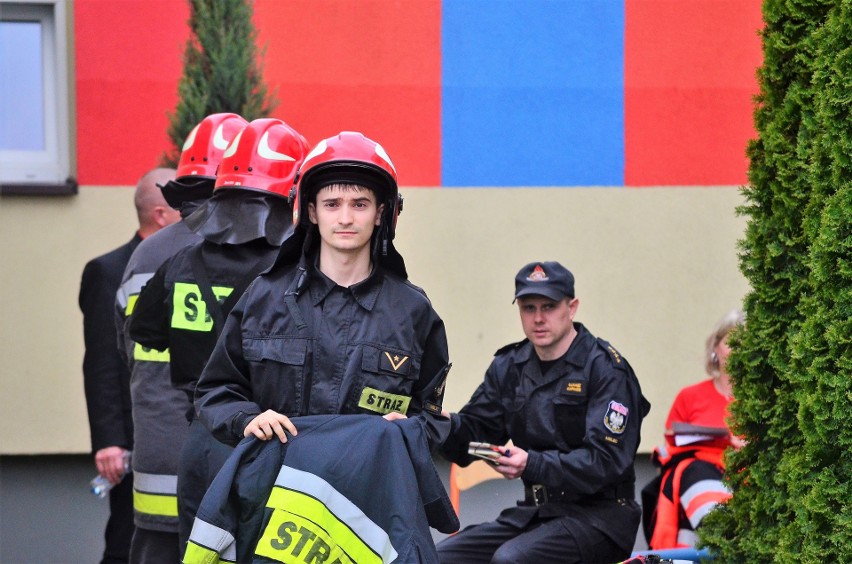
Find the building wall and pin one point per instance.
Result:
(607, 135)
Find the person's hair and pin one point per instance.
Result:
(148, 194)
(346, 187)
(730, 320)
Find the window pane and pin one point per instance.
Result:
(21, 90)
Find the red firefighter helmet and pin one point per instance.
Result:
(206, 143)
(265, 157)
(349, 158)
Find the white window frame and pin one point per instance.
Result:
(47, 171)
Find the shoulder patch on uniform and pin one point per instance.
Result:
(510, 347)
(616, 417)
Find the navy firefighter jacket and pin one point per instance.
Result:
(171, 311)
(329, 494)
(375, 347)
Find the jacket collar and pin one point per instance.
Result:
(575, 357)
(365, 292)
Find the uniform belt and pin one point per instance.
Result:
(538, 494)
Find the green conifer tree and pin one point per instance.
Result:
(792, 364)
(819, 474)
(221, 69)
(758, 520)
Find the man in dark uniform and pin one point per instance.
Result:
(106, 379)
(185, 303)
(572, 407)
(335, 326)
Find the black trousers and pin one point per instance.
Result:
(120, 527)
(201, 459)
(562, 540)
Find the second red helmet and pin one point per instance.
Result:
(265, 157)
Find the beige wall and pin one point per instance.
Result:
(655, 269)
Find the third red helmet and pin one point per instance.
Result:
(206, 143)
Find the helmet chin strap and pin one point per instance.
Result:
(380, 244)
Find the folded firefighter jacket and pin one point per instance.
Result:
(346, 488)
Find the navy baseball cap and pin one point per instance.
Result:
(548, 279)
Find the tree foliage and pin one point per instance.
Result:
(222, 71)
(791, 363)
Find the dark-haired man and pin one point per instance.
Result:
(334, 326)
(572, 407)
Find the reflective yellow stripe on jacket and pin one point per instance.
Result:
(209, 544)
(312, 521)
(155, 494)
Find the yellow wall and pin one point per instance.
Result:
(655, 268)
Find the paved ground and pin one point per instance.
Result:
(48, 516)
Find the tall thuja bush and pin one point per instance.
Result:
(820, 473)
(221, 69)
(773, 258)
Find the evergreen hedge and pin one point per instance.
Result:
(791, 362)
(222, 71)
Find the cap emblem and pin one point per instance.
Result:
(538, 274)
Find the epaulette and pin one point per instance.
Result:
(614, 355)
(511, 347)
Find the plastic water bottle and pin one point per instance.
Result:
(100, 486)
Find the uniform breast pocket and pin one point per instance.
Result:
(569, 411)
(277, 369)
(387, 379)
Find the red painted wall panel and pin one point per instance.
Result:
(128, 62)
(373, 66)
(689, 84)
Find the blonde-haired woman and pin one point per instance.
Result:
(690, 482)
(706, 403)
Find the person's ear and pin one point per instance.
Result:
(379, 211)
(573, 304)
(312, 213)
(161, 216)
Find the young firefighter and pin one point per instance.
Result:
(184, 305)
(159, 411)
(334, 326)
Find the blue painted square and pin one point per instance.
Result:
(533, 93)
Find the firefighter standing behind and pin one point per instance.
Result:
(184, 305)
(159, 410)
(572, 407)
(334, 326)
(105, 377)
